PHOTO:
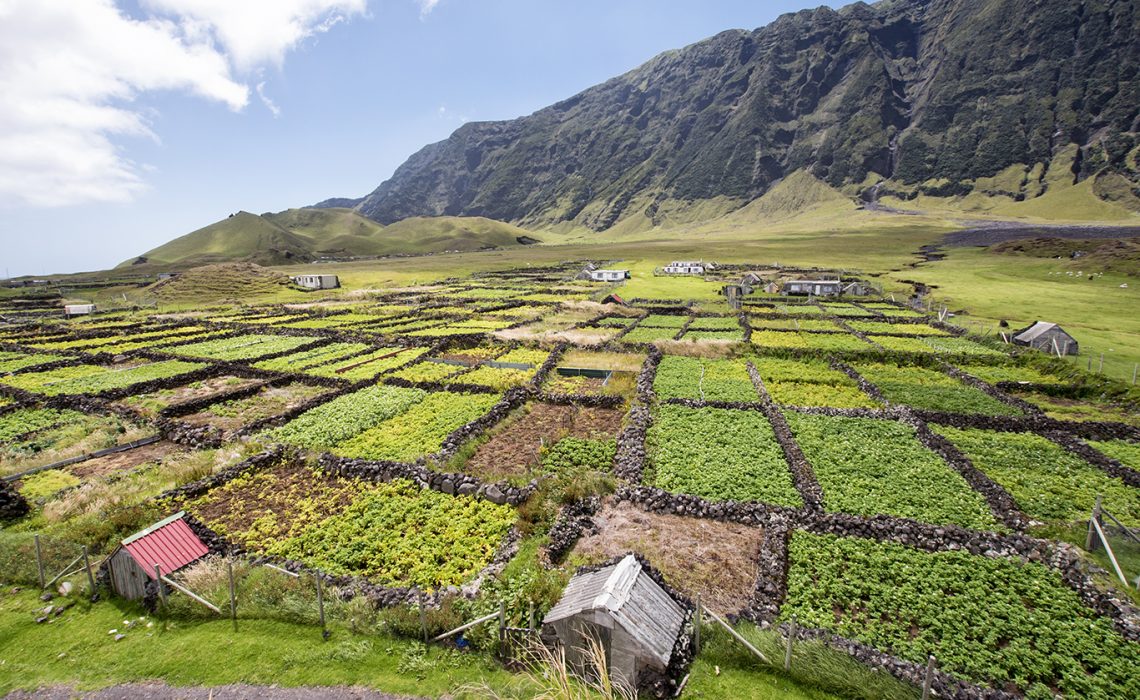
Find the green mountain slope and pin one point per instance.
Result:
(937, 97)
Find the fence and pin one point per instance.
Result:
(1120, 539)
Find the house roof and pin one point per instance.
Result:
(169, 543)
(1035, 331)
(812, 282)
(632, 599)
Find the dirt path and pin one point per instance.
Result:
(161, 691)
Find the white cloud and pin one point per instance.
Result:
(426, 6)
(265, 100)
(70, 71)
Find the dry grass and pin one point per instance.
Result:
(712, 349)
(716, 560)
(585, 336)
(548, 676)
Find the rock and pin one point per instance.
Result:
(466, 489)
(46, 597)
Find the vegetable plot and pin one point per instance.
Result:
(997, 622)
(1047, 482)
(707, 380)
(869, 467)
(244, 347)
(810, 383)
(933, 391)
(718, 454)
(347, 416)
(95, 379)
(420, 429)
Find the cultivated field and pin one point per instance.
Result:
(899, 487)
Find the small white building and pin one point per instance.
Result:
(317, 281)
(70, 310)
(685, 267)
(609, 275)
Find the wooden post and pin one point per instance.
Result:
(1135, 366)
(1108, 550)
(532, 625)
(1101, 368)
(1090, 538)
(321, 606)
(423, 613)
(161, 588)
(502, 626)
(233, 593)
(929, 679)
(87, 568)
(697, 627)
(1090, 363)
(40, 563)
(791, 641)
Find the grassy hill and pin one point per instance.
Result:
(303, 235)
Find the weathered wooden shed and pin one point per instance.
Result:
(636, 621)
(819, 288)
(1047, 337)
(170, 544)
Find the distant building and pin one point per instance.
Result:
(170, 544)
(609, 275)
(70, 310)
(819, 288)
(317, 281)
(614, 299)
(685, 267)
(636, 621)
(167, 275)
(1047, 337)
(772, 288)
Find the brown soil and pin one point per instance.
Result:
(122, 461)
(154, 401)
(514, 450)
(717, 560)
(271, 401)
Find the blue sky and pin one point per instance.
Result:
(174, 113)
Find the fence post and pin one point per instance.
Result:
(423, 613)
(531, 624)
(321, 606)
(233, 593)
(697, 627)
(502, 627)
(1101, 368)
(1135, 366)
(161, 588)
(791, 640)
(929, 679)
(1090, 538)
(40, 563)
(87, 568)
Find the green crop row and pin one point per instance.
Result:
(347, 416)
(316, 356)
(708, 380)
(931, 390)
(1123, 451)
(901, 328)
(12, 361)
(1001, 623)
(355, 369)
(718, 454)
(870, 467)
(1048, 482)
(244, 347)
(94, 379)
(18, 423)
(420, 429)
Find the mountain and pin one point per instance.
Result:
(1005, 99)
(302, 235)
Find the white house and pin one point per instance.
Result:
(609, 275)
(685, 267)
(317, 281)
(816, 287)
(78, 309)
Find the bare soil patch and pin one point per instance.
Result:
(515, 449)
(717, 560)
(271, 401)
(123, 461)
(152, 402)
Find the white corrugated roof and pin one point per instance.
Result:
(1034, 331)
(634, 601)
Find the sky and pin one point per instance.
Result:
(126, 123)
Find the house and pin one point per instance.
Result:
(636, 621)
(772, 288)
(1047, 337)
(70, 310)
(614, 299)
(685, 267)
(821, 288)
(170, 544)
(609, 275)
(586, 272)
(317, 281)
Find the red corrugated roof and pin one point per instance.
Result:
(171, 544)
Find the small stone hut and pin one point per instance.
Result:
(1047, 337)
(636, 621)
(170, 544)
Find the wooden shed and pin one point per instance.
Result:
(170, 544)
(1047, 337)
(636, 621)
(317, 281)
(819, 288)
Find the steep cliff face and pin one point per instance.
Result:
(932, 94)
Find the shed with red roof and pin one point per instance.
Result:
(168, 544)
